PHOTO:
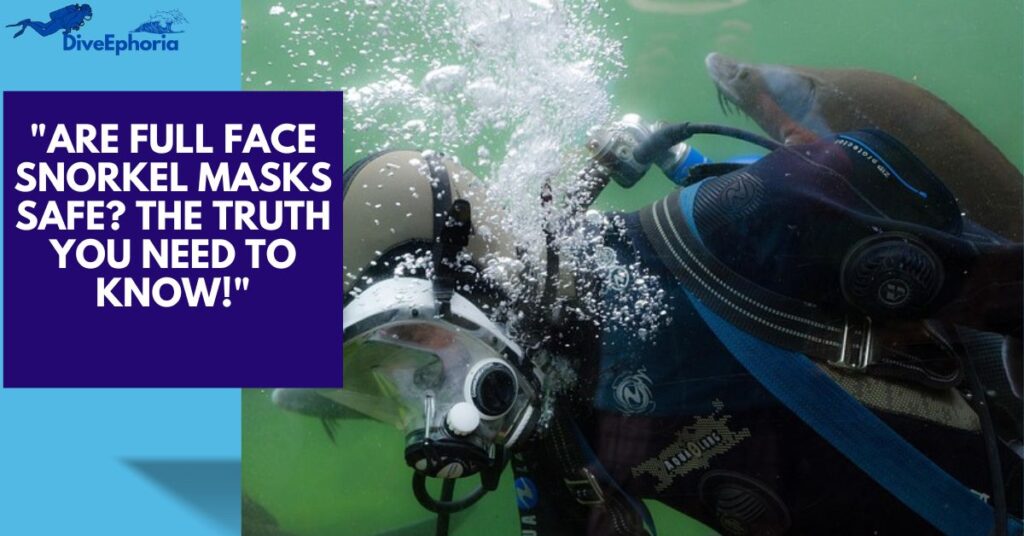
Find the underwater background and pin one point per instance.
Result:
(971, 54)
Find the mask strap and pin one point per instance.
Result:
(489, 477)
(452, 227)
(447, 494)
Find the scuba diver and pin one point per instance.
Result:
(843, 355)
(69, 18)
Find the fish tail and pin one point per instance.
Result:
(329, 426)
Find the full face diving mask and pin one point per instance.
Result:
(451, 381)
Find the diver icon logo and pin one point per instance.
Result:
(633, 393)
(69, 18)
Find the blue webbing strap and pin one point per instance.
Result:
(857, 433)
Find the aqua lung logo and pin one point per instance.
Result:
(526, 493)
(156, 34)
(693, 449)
(894, 292)
(527, 496)
(632, 391)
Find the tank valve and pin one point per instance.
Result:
(612, 145)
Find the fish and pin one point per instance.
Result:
(798, 105)
(257, 520)
(312, 403)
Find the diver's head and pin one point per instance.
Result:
(452, 383)
(86, 11)
(421, 349)
(396, 206)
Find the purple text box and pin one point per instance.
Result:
(284, 330)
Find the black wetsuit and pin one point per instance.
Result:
(676, 418)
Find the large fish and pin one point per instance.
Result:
(796, 105)
(257, 520)
(313, 403)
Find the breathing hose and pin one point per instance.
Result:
(661, 141)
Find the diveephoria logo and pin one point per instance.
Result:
(161, 28)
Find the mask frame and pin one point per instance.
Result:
(435, 451)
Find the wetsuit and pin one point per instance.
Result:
(676, 418)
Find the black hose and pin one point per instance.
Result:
(978, 402)
(419, 490)
(662, 140)
(447, 492)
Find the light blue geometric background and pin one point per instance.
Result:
(130, 461)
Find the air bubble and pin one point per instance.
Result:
(517, 83)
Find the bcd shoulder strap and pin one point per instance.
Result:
(911, 352)
(772, 336)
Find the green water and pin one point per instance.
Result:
(969, 53)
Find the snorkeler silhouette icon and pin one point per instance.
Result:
(69, 18)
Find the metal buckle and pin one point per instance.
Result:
(865, 354)
(586, 491)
